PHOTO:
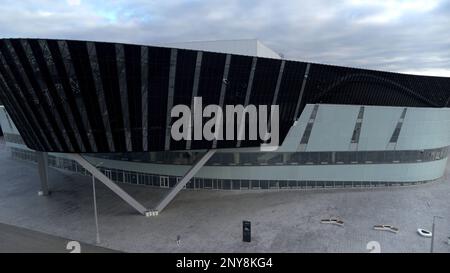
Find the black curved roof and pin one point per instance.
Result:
(81, 96)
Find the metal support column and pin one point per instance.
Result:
(187, 177)
(110, 184)
(42, 159)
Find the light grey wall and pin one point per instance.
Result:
(6, 122)
(249, 47)
(378, 126)
(423, 128)
(333, 128)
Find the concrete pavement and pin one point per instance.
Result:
(211, 221)
(20, 240)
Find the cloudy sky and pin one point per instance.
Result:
(410, 36)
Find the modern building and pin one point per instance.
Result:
(339, 126)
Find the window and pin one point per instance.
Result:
(245, 184)
(283, 184)
(273, 184)
(264, 184)
(226, 184)
(207, 183)
(302, 184)
(190, 184)
(325, 157)
(293, 184)
(198, 183)
(164, 181)
(255, 184)
(120, 176)
(341, 158)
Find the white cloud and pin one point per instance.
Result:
(389, 35)
(74, 2)
(392, 10)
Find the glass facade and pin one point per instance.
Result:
(284, 158)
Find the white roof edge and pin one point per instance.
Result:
(248, 47)
(206, 41)
(265, 50)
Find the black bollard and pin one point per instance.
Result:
(246, 231)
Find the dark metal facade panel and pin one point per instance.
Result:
(46, 87)
(21, 102)
(133, 82)
(184, 81)
(123, 88)
(263, 89)
(223, 90)
(92, 52)
(65, 85)
(290, 93)
(51, 76)
(15, 110)
(196, 80)
(24, 66)
(248, 94)
(144, 98)
(211, 78)
(170, 92)
(237, 85)
(81, 64)
(74, 90)
(106, 57)
(78, 96)
(158, 82)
